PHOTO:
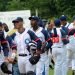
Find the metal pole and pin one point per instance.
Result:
(36, 12)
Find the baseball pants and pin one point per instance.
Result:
(59, 55)
(24, 64)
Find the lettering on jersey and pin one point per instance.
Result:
(55, 39)
(27, 41)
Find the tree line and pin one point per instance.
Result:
(45, 8)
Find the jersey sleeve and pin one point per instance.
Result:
(36, 39)
(65, 29)
(64, 37)
(71, 32)
(4, 44)
(47, 38)
(11, 43)
(13, 36)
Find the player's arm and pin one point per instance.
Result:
(47, 39)
(11, 44)
(36, 39)
(5, 47)
(71, 32)
(13, 47)
(64, 37)
(4, 44)
(65, 29)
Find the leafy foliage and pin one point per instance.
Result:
(46, 8)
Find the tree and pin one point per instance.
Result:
(46, 8)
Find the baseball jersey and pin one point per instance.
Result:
(71, 36)
(59, 37)
(3, 43)
(65, 29)
(22, 40)
(43, 35)
(68, 25)
(10, 40)
(71, 26)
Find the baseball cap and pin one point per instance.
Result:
(57, 22)
(34, 18)
(44, 20)
(18, 19)
(63, 18)
(40, 23)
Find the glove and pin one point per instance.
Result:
(34, 59)
(4, 68)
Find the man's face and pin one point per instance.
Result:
(1, 28)
(18, 25)
(51, 25)
(33, 23)
(6, 28)
(63, 23)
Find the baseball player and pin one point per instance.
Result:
(22, 38)
(10, 45)
(42, 67)
(67, 29)
(64, 22)
(71, 49)
(4, 46)
(71, 53)
(58, 51)
(15, 65)
(49, 29)
(65, 26)
(3, 42)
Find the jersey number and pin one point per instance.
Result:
(55, 39)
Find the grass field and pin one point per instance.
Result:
(51, 72)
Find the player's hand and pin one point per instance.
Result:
(38, 52)
(6, 60)
(11, 60)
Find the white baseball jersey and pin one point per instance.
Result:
(21, 41)
(59, 43)
(40, 34)
(43, 64)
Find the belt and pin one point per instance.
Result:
(24, 54)
(59, 47)
(56, 47)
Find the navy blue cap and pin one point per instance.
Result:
(57, 22)
(40, 23)
(34, 18)
(18, 19)
(63, 18)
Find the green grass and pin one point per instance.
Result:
(51, 72)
